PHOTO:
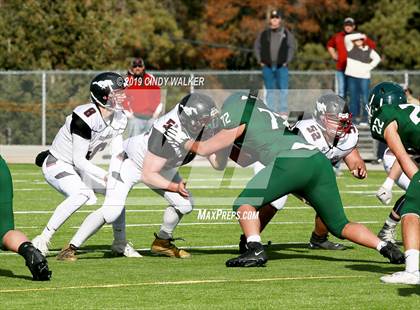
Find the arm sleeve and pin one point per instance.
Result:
(347, 42)
(79, 127)
(158, 145)
(257, 47)
(375, 59)
(332, 42)
(80, 149)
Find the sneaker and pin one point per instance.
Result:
(242, 244)
(254, 257)
(38, 266)
(393, 253)
(167, 248)
(68, 253)
(388, 234)
(124, 248)
(41, 244)
(402, 277)
(322, 243)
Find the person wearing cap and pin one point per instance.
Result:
(336, 48)
(274, 49)
(143, 98)
(361, 59)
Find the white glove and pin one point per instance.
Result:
(176, 136)
(384, 195)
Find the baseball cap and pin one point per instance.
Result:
(137, 62)
(275, 13)
(349, 21)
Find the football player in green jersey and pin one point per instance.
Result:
(15, 240)
(397, 123)
(292, 166)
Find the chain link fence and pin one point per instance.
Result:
(34, 104)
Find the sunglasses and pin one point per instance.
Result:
(137, 66)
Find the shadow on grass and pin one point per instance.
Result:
(377, 268)
(301, 251)
(408, 291)
(10, 274)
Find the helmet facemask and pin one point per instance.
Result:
(115, 100)
(336, 125)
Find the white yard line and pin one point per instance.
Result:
(227, 222)
(186, 282)
(198, 209)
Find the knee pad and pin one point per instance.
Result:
(111, 212)
(91, 197)
(185, 206)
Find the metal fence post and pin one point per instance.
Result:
(406, 79)
(192, 84)
(44, 109)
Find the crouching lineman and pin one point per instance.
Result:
(149, 158)
(67, 167)
(292, 166)
(397, 123)
(330, 129)
(15, 240)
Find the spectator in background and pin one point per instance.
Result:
(274, 49)
(336, 48)
(410, 98)
(144, 100)
(361, 59)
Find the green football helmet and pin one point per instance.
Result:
(385, 93)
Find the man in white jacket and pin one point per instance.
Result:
(361, 59)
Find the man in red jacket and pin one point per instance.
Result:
(338, 52)
(143, 94)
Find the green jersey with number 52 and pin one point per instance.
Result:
(407, 117)
(266, 133)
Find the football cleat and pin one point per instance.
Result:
(38, 266)
(254, 257)
(388, 233)
(167, 248)
(242, 244)
(41, 244)
(402, 277)
(393, 253)
(322, 243)
(122, 247)
(68, 254)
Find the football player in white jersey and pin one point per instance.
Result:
(330, 129)
(66, 165)
(151, 159)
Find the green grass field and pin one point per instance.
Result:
(295, 277)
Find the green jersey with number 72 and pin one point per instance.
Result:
(266, 133)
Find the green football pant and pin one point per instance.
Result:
(309, 177)
(6, 200)
(412, 196)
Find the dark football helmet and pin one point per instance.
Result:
(385, 93)
(332, 115)
(198, 112)
(107, 90)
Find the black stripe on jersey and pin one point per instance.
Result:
(157, 145)
(79, 127)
